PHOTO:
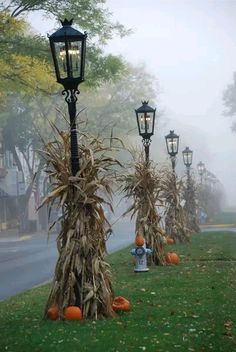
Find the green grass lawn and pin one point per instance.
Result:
(189, 307)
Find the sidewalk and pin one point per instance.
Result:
(14, 235)
(217, 225)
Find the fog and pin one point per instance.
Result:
(190, 46)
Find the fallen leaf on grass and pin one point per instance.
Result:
(139, 301)
(228, 334)
(228, 323)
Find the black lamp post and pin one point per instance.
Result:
(187, 158)
(146, 120)
(172, 145)
(201, 169)
(68, 48)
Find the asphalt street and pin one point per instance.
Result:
(30, 260)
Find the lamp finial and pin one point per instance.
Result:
(67, 22)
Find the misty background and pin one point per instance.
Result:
(189, 47)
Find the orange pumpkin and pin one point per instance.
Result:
(72, 313)
(172, 258)
(170, 240)
(121, 304)
(139, 240)
(53, 312)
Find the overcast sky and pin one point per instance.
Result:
(190, 46)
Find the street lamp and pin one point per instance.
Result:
(146, 120)
(201, 169)
(187, 158)
(172, 145)
(68, 47)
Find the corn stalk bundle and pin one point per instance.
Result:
(190, 206)
(143, 186)
(175, 221)
(82, 277)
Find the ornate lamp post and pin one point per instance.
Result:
(68, 47)
(172, 144)
(190, 206)
(146, 120)
(187, 158)
(201, 169)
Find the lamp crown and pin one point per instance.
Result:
(67, 22)
(145, 102)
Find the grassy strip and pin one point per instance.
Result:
(224, 218)
(190, 307)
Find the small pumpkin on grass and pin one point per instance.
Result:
(139, 240)
(172, 258)
(53, 312)
(121, 304)
(72, 313)
(170, 240)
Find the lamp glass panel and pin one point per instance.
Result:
(146, 122)
(73, 55)
(149, 122)
(60, 51)
(173, 145)
(187, 158)
(141, 122)
(201, 167)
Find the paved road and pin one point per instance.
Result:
(219, 228)
(29, 261)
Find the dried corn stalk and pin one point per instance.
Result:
(82, 277)
(143, 186)
(190, 206)
(175, 221)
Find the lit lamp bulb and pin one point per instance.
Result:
(72, 53)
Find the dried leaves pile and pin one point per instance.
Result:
(143, 186)
(82, 276)
(175, 221)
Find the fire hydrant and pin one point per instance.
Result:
(140, 253)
